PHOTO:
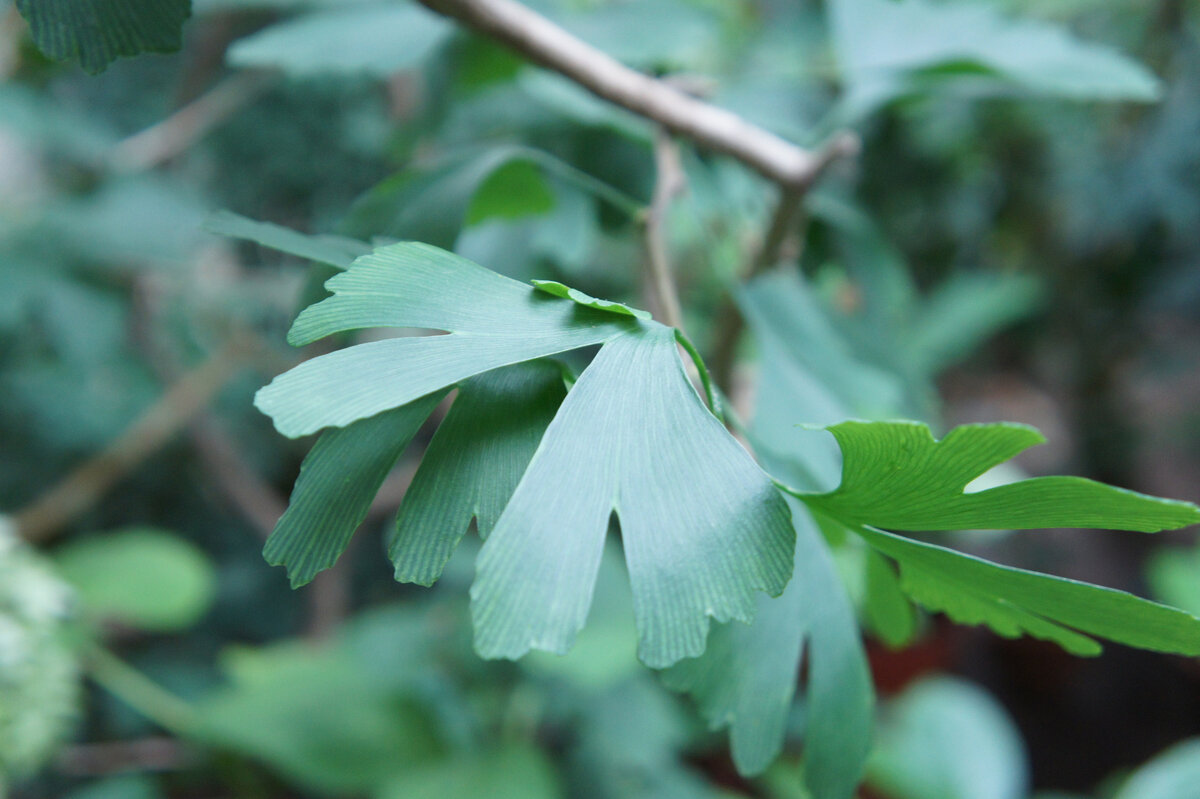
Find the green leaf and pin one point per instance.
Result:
(376, 40)
(336, 251)
(747, 676)
(887, 49)
(557, 289)
(473, 464)
(1014, 601)
(888, 612)
(337, 482)
(434, 202)
(515, 190)
(948, 739)
(896, 476)
(1174, 577)
(141, 577)
(493, 321)
(1172, 774)
(513, 771)
(97, 32)
(702, 527)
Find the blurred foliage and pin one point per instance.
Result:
(1012, 243)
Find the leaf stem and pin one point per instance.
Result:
(140, 692)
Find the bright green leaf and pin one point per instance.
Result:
(895, 475)
(1013, 602)
(557, 289)
(473, 464)
(337, 482)
(515, 190)
(888, 612)
(142, 577)
(97, 32)
(702, 527)
(747, 676)
(493, 321)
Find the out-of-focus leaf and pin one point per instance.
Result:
(947, 739)
(747, 676)
(97, 32)
(513, 771)
(1173, 774)
(435, 202)
(336, 251)
(888, 49)
(1174, 577)
(377, 40)
(142, 577)
(316, 717)
(674, 35)
(473, 464)
(1013, 602)
(963, 312)
(126, 786)
(702, 526)
(897, 476)
(41, 121)
(338, 479)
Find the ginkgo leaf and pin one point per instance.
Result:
(702, 526)
(1013, 601)
(747, 676)
(493, 322)
(337, 482)
(473, 464)
(895, 475)
(336, 251)
(97, 32)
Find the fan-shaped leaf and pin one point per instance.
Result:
(702, 526)
(97, 32)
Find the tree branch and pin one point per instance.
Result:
(669, 181)
(713, 128)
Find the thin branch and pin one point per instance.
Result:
(770, 252)
(669, 181)
(80, 489)
(165, 140)
(709, 126)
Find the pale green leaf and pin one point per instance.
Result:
(895, 475)
(702, 527)
(1173, 774)
(1174, 577)
(1013, 601)
(337, 482)
(747, 676)
(888, 49)
(141, 577)
(376, 40)
(557, 289)
(494, 322)
(336, 251)
(97, 32)
(473, 464)
(948, 739)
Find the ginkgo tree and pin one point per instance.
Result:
(573, 415)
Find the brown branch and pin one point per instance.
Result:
(80, 489)
(709, 126)
(669, 181)
(165, 140)
(771, 251)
